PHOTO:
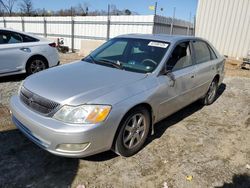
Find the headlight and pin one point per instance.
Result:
(83, 114)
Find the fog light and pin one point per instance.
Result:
(72, 147)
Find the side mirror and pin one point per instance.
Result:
(169, 74)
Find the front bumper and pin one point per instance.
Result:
(49, 133)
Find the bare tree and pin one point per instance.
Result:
(8, 5)
(83, 9)
(127, 12)
(1, 10)
(114, 10)
(26, 7)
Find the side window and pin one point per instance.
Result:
(15, 38)
(4, 37)
(1, 38)
(115, 49)
(180, 57)
(202, 52)
(10, 38)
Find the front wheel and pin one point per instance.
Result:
(133, 132)
(36, 65)
(211, 94)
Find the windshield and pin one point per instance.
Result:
(137, 55)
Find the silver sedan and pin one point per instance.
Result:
(113, 98)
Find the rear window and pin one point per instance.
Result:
(29, 39)
(213, 55)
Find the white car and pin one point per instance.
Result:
(24, 53)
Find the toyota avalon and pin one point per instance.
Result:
(111, 99)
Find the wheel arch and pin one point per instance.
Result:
(144, 105)
(36, 56)
(217, 78)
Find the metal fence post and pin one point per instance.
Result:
(72, 34)
(154, 25)
(189, 26)
(172, 24)
(23, 26)
(45, 27)
(108, 24)
(4, 23)
(188, 29)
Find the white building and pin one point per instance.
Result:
(226, 24)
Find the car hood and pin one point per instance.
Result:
(79, 82)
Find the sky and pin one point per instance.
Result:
(183, 7)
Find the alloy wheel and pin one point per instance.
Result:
(134, 131)
(37, 66)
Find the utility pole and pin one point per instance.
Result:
(172, 24)
(194, 29)
(71, 11)
(188, 29)
(156, 8)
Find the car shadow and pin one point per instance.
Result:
(104, 156)
(162, 126)
(23, 164)
(238, 181)
(221, 90)
(13, 78)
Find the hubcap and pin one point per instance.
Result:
(36, 66)
(134, 131)
(212, 91)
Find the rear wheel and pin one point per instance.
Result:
(211, 94)
(36, 65)
(133, 132)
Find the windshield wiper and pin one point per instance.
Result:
(116, 64)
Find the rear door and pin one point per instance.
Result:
(174, 95)
(13, 52)
(205, 60)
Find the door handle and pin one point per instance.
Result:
(25, 50)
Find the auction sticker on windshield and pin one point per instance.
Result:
(158, 44)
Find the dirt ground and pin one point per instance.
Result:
(199, 146)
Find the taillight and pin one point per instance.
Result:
(53, 44)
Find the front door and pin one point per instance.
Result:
(175, 93)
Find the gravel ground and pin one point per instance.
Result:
(196, 147)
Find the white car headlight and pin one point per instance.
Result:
(84, 114)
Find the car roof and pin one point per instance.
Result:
(160, 37)
(21, 32)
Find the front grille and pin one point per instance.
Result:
(36, 102)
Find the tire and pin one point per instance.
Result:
(36, 65)
(211, 94)
(133, 132)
